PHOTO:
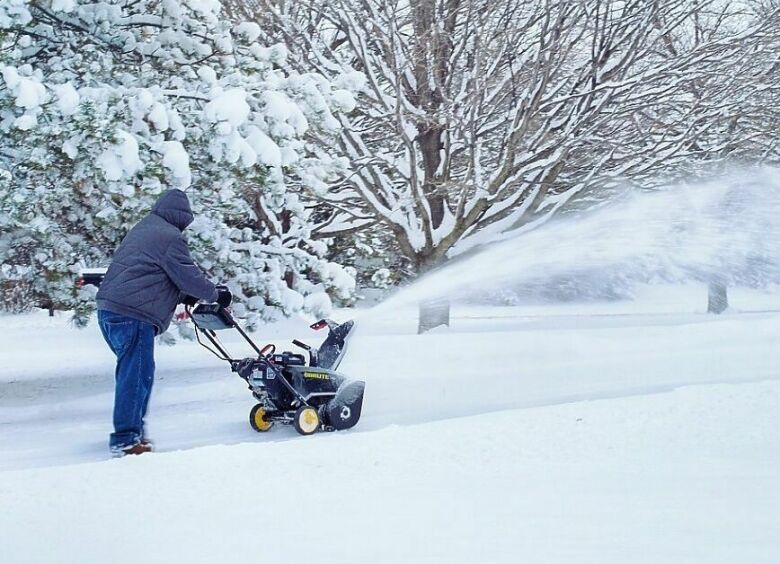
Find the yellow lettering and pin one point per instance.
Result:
(316, 375)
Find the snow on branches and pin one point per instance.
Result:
(104, 105)
(483, 118)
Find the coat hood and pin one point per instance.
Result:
(174, 207)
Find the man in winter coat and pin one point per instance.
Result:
(151, 273)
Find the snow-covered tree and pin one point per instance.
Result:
(479, 119)
(105, 104)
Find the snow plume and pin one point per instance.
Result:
(724, 229)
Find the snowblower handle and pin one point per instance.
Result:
(314, 354)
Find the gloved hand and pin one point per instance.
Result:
(224, 297)
(191, 301)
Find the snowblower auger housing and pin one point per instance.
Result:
(291, 388)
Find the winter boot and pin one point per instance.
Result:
(140, 447)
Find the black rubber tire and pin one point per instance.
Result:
(256, 417)
(309, 417)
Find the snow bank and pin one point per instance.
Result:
(589, 462)
(689, 476)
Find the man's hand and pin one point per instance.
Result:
(224, 297)
(191, 301)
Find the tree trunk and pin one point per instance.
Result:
(433, 313)
(718, 296)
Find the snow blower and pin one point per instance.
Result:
(304, 391)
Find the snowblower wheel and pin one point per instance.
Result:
(307, 420)
(257, 419)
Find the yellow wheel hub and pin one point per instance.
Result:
(308, 420)
(258, 420)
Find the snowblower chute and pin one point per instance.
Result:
(291, 388)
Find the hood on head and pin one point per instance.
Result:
(174, 207)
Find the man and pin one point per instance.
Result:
(151, 273)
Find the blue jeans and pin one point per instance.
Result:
(132, 341)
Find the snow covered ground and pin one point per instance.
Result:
(642, 431)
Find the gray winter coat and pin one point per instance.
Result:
(152, 268)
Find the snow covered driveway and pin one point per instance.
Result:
(686, 476)
(563, 434)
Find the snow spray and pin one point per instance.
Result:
(727, 229)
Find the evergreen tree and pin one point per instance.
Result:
(104, 105)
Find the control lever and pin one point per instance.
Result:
(314, 358)
(267, 350)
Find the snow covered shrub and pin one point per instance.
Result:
(382, 278)
(104, 105)
(373, 254)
